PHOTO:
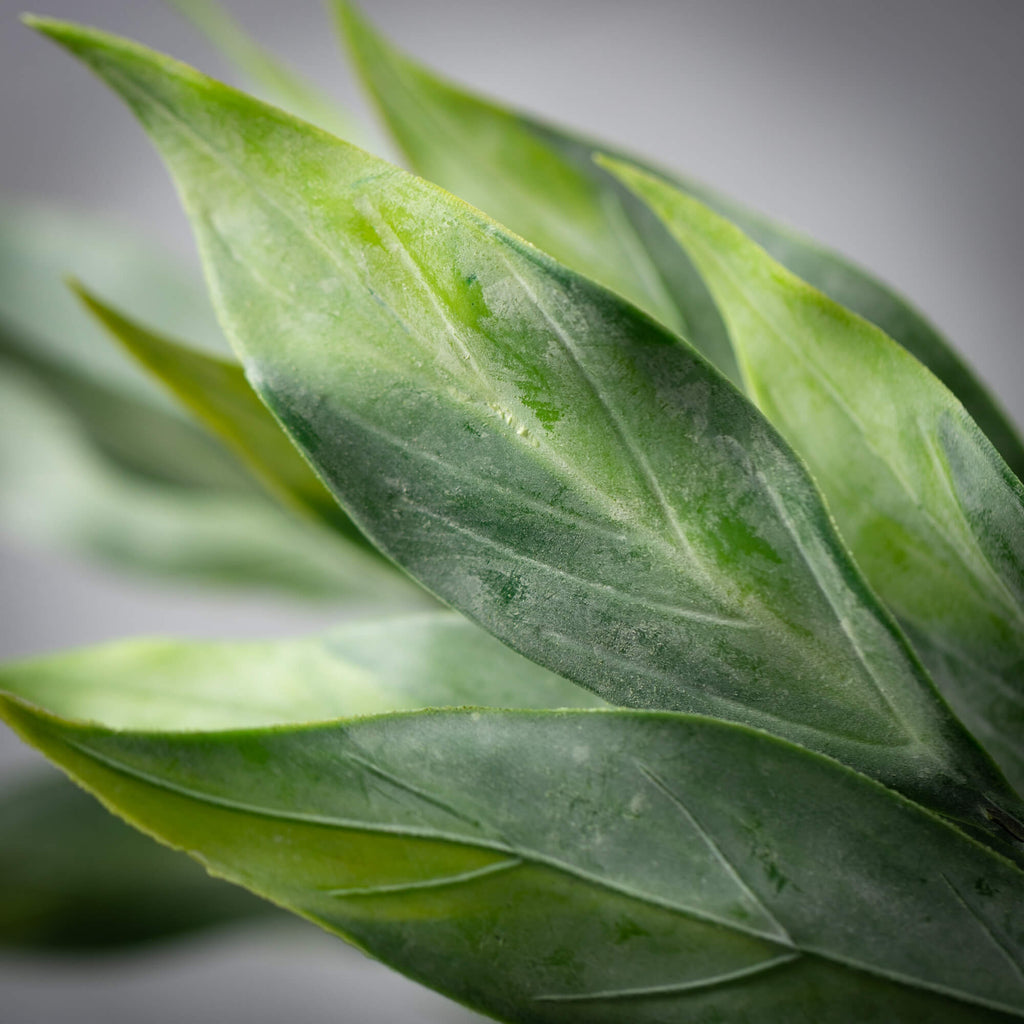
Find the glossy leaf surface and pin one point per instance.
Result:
(73, 878)
(540, 866)
(216, 392)
(541, 455)
(933, 514)
(542, 182)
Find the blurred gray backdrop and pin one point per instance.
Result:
(892, 130)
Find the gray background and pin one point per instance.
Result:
(889, 129)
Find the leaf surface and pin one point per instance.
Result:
(543, 183)
(540, 454)
(494, 159)
(71, 876)
(933, 514)
(542, 865)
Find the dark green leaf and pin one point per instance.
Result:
(216, 392)
(934, 516)
(543, 183)
(74, 878)
(544, 457)
(589, 865)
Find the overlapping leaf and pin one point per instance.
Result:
(536, 451)
(933, 514)
(542, 182)
(71, 876)
(216, 391)
(543, 866)
(96, 458)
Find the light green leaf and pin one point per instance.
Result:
(55, 489)
(216, 392)
(932, 513)
(359, 668)
(541, 455)
(277, 82)
(517, 861)
(542, 182)
(73, 878)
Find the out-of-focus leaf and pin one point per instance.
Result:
(74, 878)
(517, 861)
(57, 490)
(43, 331)
(276, 82)
(933, 514)
(542, 182)
(543, 456)
(216, 391)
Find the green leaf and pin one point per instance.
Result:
(73, 878)
(216, 392)
(517, 861)
(862, 293)
(933, 514)
(537, 452)
(359, 668)
(542, 182)
(43, 332)
(278, 83)
(57, 490)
